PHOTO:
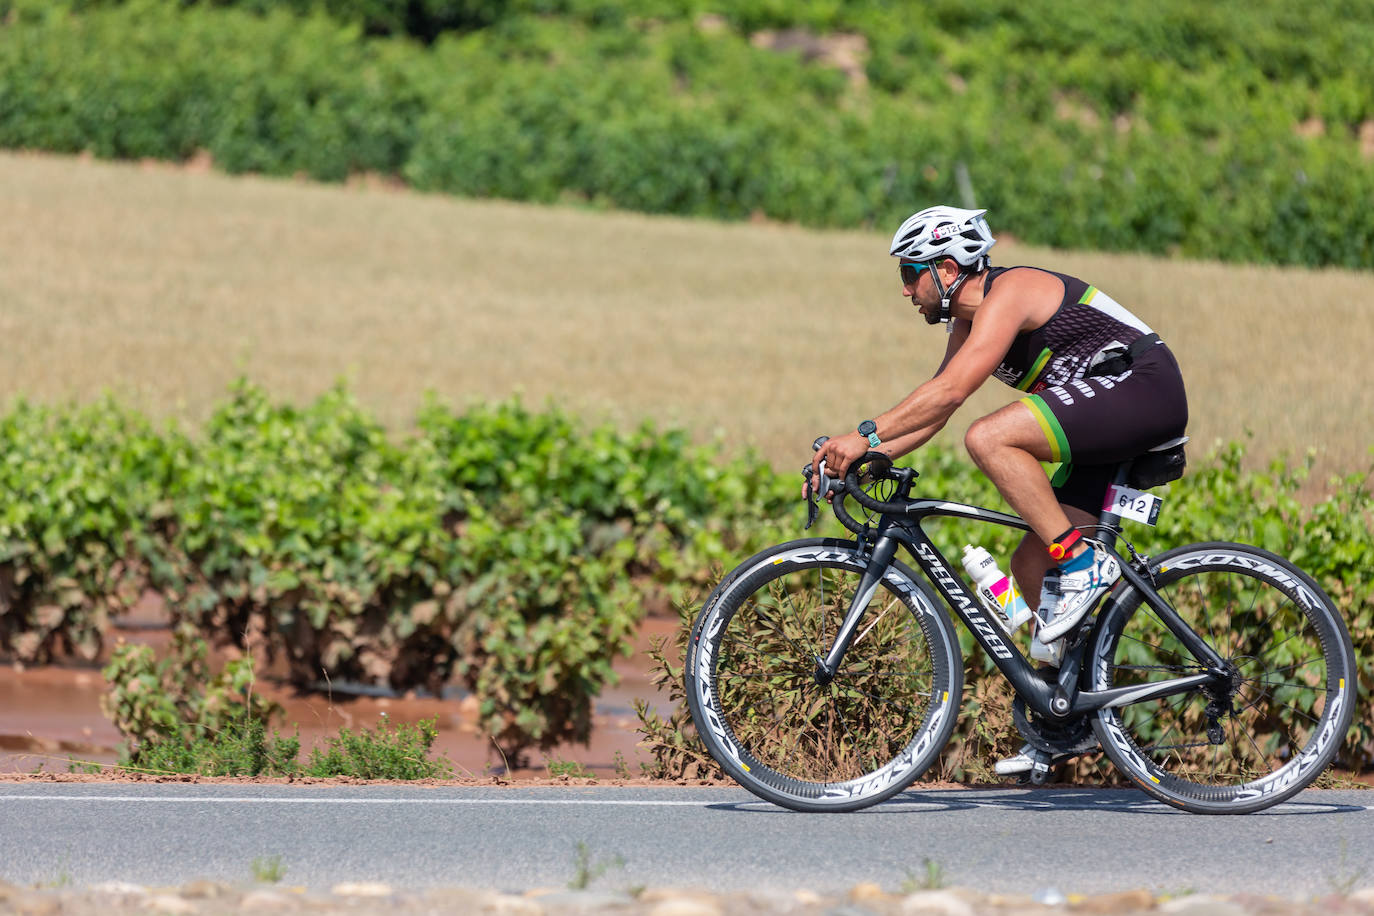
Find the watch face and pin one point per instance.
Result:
(867, 428)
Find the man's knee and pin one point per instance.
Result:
(981, 439)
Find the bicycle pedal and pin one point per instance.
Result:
(1041, 767)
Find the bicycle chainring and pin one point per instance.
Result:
(1068, 738)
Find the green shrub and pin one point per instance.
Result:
(1134, 126)
(508, 551)
(84, 494)
(389, 751)
(675, 748)
(177, 717)
(243, 748)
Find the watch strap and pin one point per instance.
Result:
(869, 429)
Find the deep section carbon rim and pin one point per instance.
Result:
(1280, 718)
(800, 740)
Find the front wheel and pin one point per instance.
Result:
(807, 742)
(1273, 728)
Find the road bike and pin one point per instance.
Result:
(825, 674)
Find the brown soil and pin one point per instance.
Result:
(50, 716)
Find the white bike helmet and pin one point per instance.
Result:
(945, 232)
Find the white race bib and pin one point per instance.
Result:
(1136, 505)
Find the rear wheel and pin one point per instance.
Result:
(1270, 730)
(806, 742)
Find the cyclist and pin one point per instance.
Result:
(1101, 387)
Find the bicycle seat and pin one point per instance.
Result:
(1159, 465)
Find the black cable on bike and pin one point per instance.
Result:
(842, 514)
(878, 467)
(1139, 562)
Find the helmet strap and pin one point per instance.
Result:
(946, 317)
(947, 295)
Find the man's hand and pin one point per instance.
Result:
(839, 453)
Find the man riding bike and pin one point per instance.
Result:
(1101, 388)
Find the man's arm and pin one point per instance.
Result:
(970, 358)
(897, 446)
(963, 372)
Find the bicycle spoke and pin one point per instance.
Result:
(1285, 654)
(797, 734)
(805, 653)
(1259, 753)
(1288, 668)
(1272, 648)
(1289, 706)
(886, 702)
(1290, 684)
(869, 629)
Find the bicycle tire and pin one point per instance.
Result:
(1292, 694)
(772, 727)
(689, 667)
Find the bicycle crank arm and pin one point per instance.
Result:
(883, 552)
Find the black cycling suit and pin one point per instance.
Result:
(1102, 385)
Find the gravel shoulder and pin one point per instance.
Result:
(207, 897)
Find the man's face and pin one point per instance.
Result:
(920, 289)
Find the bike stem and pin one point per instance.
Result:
(884, 549)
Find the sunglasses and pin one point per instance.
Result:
(911, 271)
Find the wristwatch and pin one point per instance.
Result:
(870, 429)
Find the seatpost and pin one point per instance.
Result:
(1109, 521)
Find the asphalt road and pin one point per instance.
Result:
(1009, 840)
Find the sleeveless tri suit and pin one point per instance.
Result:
(1100, 383)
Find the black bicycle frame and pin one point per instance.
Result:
(1058, 700)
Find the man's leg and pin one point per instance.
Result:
(1008, 446)
(1031, 560)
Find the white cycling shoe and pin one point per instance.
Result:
(1015, 766)
(1079, 592)
(1023, 762)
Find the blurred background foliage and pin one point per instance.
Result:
(1238, 131)
(509, 551)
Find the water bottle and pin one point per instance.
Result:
(1053, 653)
(997, 591)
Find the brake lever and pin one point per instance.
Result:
(815, 491)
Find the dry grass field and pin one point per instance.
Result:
(163, 284)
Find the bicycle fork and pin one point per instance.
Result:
(883, 551)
